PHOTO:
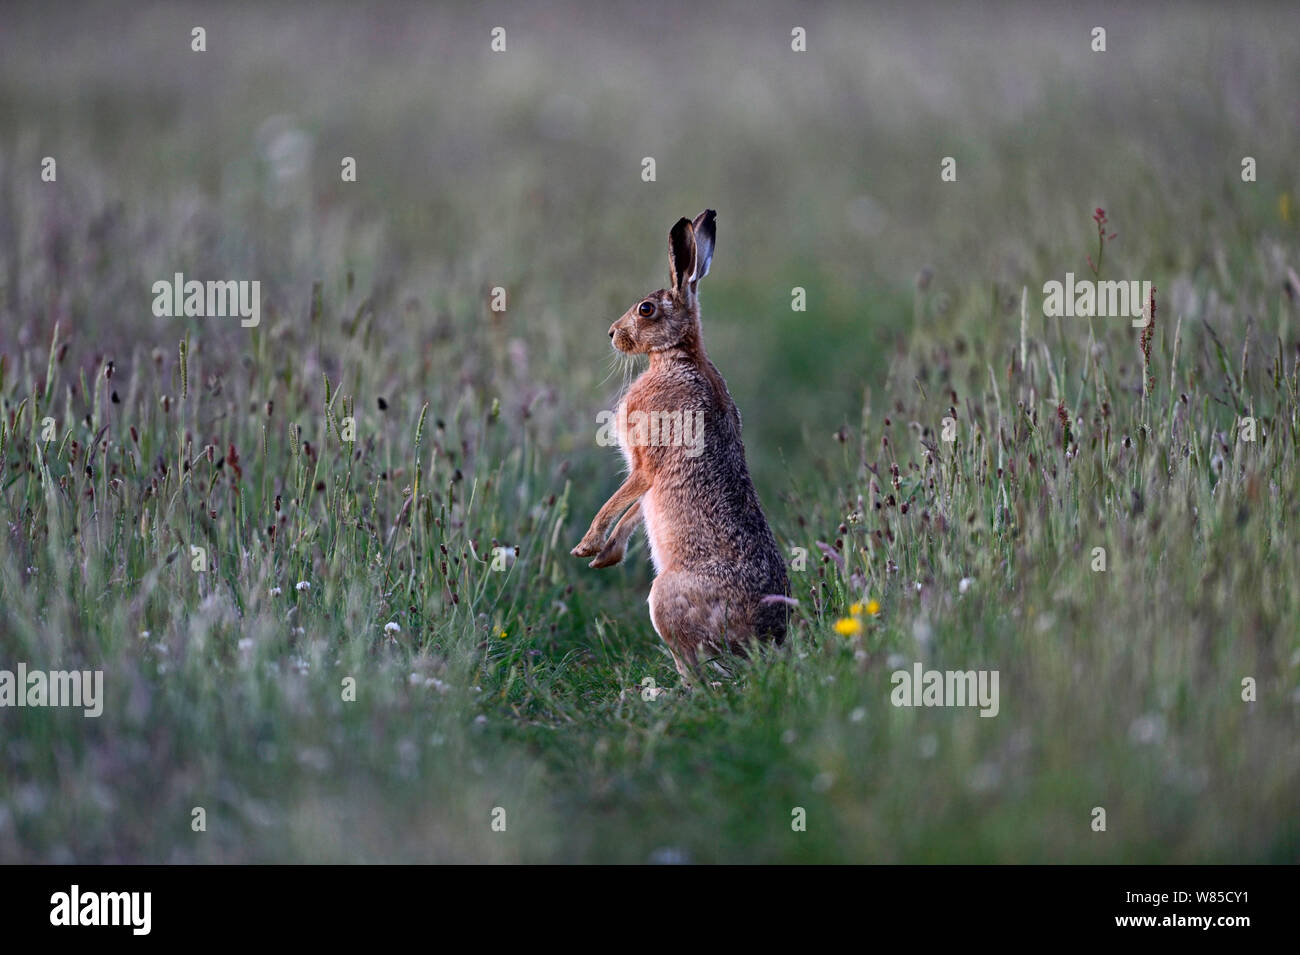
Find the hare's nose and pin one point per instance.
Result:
(611, 331)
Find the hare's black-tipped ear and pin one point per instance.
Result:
(706, 232)
(681, 254)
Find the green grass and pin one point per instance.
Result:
(522, 688)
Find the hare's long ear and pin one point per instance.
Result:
(681, 255)
(706, 233)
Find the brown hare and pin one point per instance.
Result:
(714, 555)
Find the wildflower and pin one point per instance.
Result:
(391, 628)
(1146, 729)
(1099, 217)
(873, 607)
(275, 591)
(984, 778)
(848, 626)
(670, 855)
(855, 610)
(302, 585)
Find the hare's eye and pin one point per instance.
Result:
(646, 309)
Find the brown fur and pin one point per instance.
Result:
(714, 554)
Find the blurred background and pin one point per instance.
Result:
(522, 169)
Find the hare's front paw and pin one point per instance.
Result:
(587, 547)
(609, 555)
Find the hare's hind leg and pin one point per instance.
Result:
(684, 659)
(688, 616)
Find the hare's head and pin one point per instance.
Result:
(670, 317)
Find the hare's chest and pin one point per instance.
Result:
(655, 529)
(622, 433)
(629, 432)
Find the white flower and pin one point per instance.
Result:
(275, 591)
(302, 585)
(246, 643)
(670, 855)
(1147, 729)
(392, 627)
(921, 631)
(984, 778)
(963, 585)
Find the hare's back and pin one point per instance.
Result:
(703, 510)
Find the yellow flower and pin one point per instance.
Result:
(855, 610)
(848, 626)
(873, 607)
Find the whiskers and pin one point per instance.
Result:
(622, 365)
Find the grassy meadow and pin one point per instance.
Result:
(351, 466)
